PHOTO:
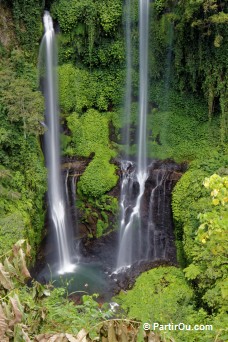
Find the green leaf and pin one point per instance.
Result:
(192, 271)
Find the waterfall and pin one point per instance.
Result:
(125, 255)
(128, 86)
(56, 198)
(126, 236)
(143, 88)
(130, 244)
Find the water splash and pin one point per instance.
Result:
(57, 209)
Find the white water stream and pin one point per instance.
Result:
(57, 206)
(131, 229)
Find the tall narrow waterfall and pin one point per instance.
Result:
(126, 182)
(57, 208)
(128, 86)
(130, 246)
(143, 86)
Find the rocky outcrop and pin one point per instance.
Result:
(156, 201)
(156, 214)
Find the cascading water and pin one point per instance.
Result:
(126, 237)
(130, 228)
(156, 233)
(57, 208)
(70, 189)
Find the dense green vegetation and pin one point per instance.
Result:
(187, 121)
(22, 175)
(28, 28)
(99, 177)
(198, 51)
(204, 224)
(181, 129)
(166, 298)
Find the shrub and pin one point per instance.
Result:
(80, 90)
(99, 176)
(164, 296)
(189, 198)
(209, 251)
(90, 132)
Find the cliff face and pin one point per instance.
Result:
(156, 214)
(7, 37)
(157, 222)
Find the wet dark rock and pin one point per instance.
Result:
(103, 249)
(77, 165)
(126, 280)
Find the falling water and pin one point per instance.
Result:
(126, 181)
(128, 87)
(131, 229)
(70, 189)
(143, 87)
(126, 236)
(56, 199)
(156, 233)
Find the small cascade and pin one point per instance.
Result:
(156, 230)
(66, 187)
(70, 188)
(155, 239)
(130, 232)
(56, 197)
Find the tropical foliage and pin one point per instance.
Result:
(22, 172)
(209, 252)
(166, 298)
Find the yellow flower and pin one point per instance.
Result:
(214, 193)
(215, 201)
(206, 182)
